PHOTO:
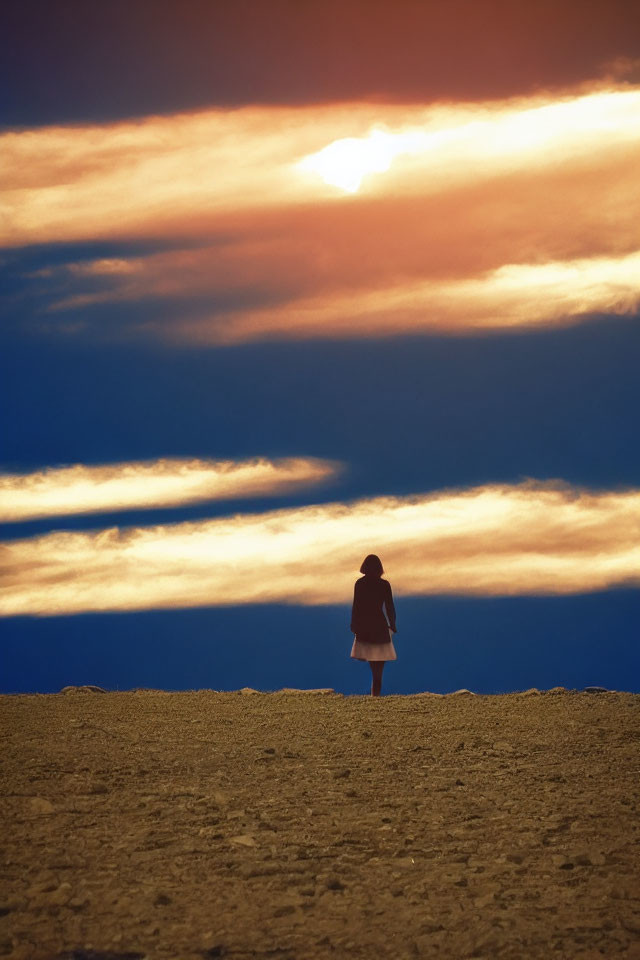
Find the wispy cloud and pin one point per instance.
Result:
(531, 538)
(70, 183)
(494, 215)
(148, 484)
(513, 296)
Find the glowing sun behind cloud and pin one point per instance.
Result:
(344, 163)
(471, 136)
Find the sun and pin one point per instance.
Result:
(344, 163)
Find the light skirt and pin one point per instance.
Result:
(374, 651)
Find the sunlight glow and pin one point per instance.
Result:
(345, 162)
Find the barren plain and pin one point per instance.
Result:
(302, 825)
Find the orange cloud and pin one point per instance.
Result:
(144, 485)
(337, 248)
(515, 295)
(465, 210)
(161, 173)
(532, 538)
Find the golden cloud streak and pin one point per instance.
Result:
(515, 295)
(161, 173)
(532, 538)
(487, 142)
(143, 485)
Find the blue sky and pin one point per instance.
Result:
(454, 344)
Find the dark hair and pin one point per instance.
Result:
(371, 566)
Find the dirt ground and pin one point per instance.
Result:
(297, 826)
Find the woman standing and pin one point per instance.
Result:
(373, 635)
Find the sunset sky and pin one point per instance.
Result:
(287, 282)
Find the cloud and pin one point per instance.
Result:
(148, 484)
(185, 172)
(514, 296)
(471, 206)
(448, 144)
(331, 249)
(531, 538)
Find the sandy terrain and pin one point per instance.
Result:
(311, 825)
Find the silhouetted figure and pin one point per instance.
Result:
(373, 634)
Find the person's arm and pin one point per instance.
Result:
(353, 608)
(391, 610)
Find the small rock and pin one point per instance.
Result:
(557, 690)
(463, 690)
(86, 688)
(334, 884)
(285, 910)
(342, 773)
(561, 861)
(79, 902)
(247, 690)
(484, 900)
(531, 692)
(218, 798)
(243, 840)
(41, 805)
(61, 895)
(596, 690)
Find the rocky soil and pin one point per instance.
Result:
(310, 825)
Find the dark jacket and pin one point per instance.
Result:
(368, 622)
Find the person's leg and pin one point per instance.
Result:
(377, 666)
